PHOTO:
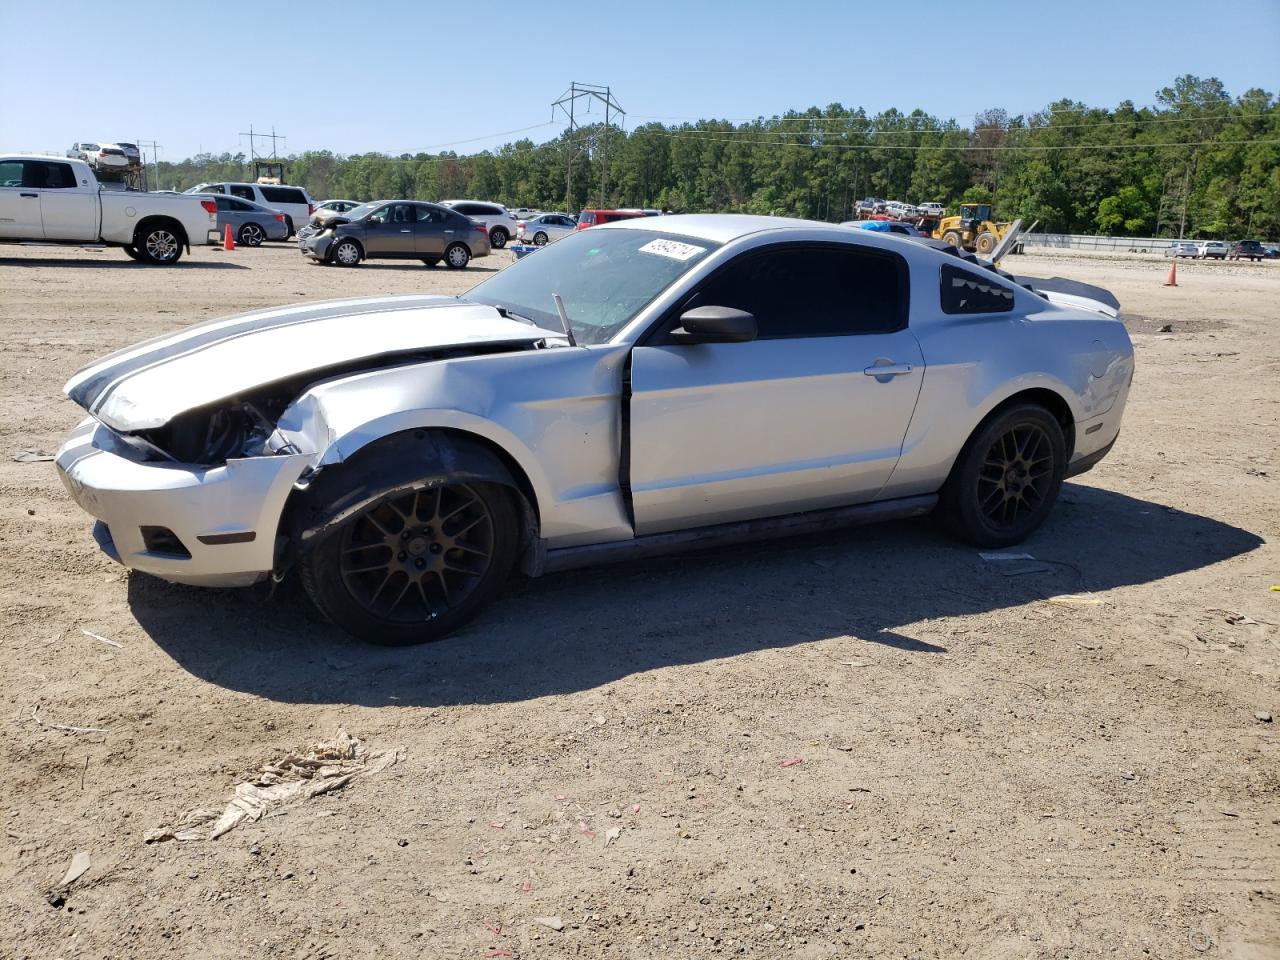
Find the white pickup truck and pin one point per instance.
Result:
(58, 200)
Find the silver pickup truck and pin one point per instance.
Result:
(59, 200)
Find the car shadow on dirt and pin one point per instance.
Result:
(124, 263)
(579, 630)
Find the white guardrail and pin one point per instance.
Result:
(1076, 241)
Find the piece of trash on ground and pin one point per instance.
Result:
(555, 923)
(323, 767)
(95, 636)
(80, 864)
(612, 834)
(1077, 600)
(793, 761)
(1231, 616)
(1024, 566)
(1006, 556)
(32, 456)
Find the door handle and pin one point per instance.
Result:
(33, 196)
(448, 231)
(885, 371)
(406, 231)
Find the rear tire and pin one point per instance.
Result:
(288, 226)
(539, 239)
(431, 261)
(498, 238)
(457, 256)
(415, 567)
(1006, 479)
(251, 235)
(159, 244)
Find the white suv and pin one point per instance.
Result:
(294, 202)
(500, 222)
(932, 209)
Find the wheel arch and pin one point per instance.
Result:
(1050, 399)
(338, 241)
(409, 459)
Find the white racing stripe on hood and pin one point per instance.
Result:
(145, 387)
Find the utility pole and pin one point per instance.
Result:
(253, 137)
(567, 105)
(155, 159)
(1186, 185)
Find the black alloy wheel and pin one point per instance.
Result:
(413, 567)
(1007, 477)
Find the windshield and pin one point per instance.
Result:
(355, 213)
(605, 278)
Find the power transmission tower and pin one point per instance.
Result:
(568, 105)
(155, 159)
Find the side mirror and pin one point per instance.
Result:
(715, 325)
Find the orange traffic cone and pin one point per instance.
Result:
(229, 240)
(1172, 281)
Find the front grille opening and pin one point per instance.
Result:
(165, 541)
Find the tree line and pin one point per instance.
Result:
(1199, 163)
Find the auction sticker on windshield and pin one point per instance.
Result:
(673, 249)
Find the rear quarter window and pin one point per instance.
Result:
(283, 195)
(964, 292)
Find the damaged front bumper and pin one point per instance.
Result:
(205, 526)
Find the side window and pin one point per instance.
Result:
(381, 215)
(283, 195)
(965, 292)
(10, 173)
(239, 205)
(224, 203)
(470, 209)
(45, 175)
(814, 291)
(244, 193)
(428, 214)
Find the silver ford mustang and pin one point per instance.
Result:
(645, 387)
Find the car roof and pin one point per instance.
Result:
(722, 227)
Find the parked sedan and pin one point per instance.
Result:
(886, 226)
(251, 223)
(335, 206)
(398, 230)
(546, 227)
(1213, 250)
(654, 385)
(1182, 248)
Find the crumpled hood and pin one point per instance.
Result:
(145, 386)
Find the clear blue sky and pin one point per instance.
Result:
(408, 76)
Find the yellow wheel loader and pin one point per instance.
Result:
(973, 230)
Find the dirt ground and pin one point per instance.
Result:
(985, 769)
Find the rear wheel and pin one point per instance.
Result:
(1007, 477)
(539, 239)
(498, 238)
(251, 235)
(346, 253)
(986, 242)
(158, 244)
(457, 256)
(430, 261)
(414, 567)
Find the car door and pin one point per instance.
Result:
(68, 210)
(19, 204)
(428, 230)
(810, 414)
(389, 231)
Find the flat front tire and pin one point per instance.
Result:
(1007, 477)
(413, 567)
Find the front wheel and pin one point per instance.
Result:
(498, 238)
(414, 567)
(986, 242)
(457, 256)
(954, 239)
(346, 253)
(1006, 479)
(158, 245)
(251, 235)
(539, 239)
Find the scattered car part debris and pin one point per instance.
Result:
(32, 456)
(323, 767)
(95, 636)
(554, 923)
